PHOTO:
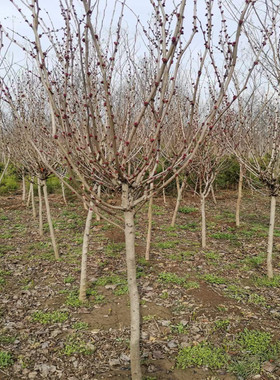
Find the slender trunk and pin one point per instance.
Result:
(84, 199)
(29, 195)
(83, 280)
(163, 190)
(178, 201)
(270, 237)
(177, 184)
(132, 286)
(240, 183)
(63, 192)
(33, 199)
(203, 221)
(56, 253)
(213, 195)
(149, 233)
(40, 208)
(97, 215)
(23, 186)
(5, 169)
(164, 196)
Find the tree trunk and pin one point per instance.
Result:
(132, 285)
(240, 183)
(97, 215)
(56, 253)
(33, 199)
(213, 195)
(164, 196)
(23, 186)
(270, 237)
(40, 208)
(5, 169)
(83, 280)
(178, 201)
(63, 192)
(29, 196)
(84, 199)
(203, 221)
(149, 233)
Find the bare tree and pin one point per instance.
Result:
(109, 107)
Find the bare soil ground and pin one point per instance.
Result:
(188, 295)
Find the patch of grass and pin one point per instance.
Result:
(4, 248)
(168, 228)
(6, 359)
(73, 299)
(222, 324)
(214, 279)
(76, 345)
(223, 236)
(245, 368)
(171, 278)
(121, 290)
(255, 342)
(110, 279)
(236, 292)
(187, 210)
(187, 254)
(3, 217)
(8, 184)
(80, 325)
(191, 285)
(192, 226)
(46, 318)
(157, 210)
(69, 280)
(114, 249)
(212, 256)
(267, 282)
(175, 257)
(7, 339)
(147, 318)
(180, 328)
(257, 299)
(6, 235)
(255, 261)
(167, 244)
(202, 355)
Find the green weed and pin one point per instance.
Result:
(69, 280)
(202, 355)
(223, 236)
(47, 318)
(6, 359)
(171, 278)
(7, 339)
(114, 249)
(187, 210)
(180, 328)
(167, 244)
(121, 290)
(267, 282)
(76, 345)
(222, 324)
(213, 279)
(73, 299)
(80, 325)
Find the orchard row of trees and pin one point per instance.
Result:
(109, 112)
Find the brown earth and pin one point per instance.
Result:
(173, 316)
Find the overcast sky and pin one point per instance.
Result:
(142, 8)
